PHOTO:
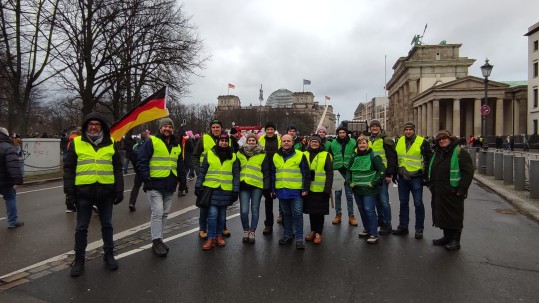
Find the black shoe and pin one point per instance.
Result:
(400, 231)
(94, 207)
(77, 267)
(453, 245)
(165, 246)
(132, 207)
(159, 249)
(18, 224)
(300, 245)
(268, 230)
(419, 234)
(285, 240)
(110, 261)
(441, 242)
(385, 229)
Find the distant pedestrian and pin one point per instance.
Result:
(138, 178)
(93, 176)
(10, 177)
(449, 177)
(128, 143)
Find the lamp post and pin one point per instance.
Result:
(486, 69)
(338, 119)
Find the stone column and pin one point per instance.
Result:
(456, 117)
(424, 119)
(477, 117)
(429, 120)
(449, 116)
(416, 116)
(435, 116)
(499, 117)
(516, 117)
(419, 117)
(468, 128)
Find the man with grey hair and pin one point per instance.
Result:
(10, 177)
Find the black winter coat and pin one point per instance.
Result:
(447, 201)
(318, 203)
(10, 171)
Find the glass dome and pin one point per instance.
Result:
(280, 98)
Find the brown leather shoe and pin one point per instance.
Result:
(317, 239)
(352, 220)
(219, 241)
(310, 236)
(209, 244)
(337, 219)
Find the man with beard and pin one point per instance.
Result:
(161, 167)
(93, 176)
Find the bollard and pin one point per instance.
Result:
(482, 162)
(534, 179)
(507, 169)
(520, 173)
(498, 166)
(473, 155)
(489, 164)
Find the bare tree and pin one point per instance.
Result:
(27, 28)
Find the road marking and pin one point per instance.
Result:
(36, 190)
(99, 243)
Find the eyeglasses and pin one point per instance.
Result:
(94, 124)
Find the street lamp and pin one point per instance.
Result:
(338, 119)
(486, 69)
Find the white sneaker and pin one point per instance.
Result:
(251, 237)
(372, 240)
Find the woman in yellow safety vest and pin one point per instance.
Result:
(220, 171)
(316, 203)
(254, 179)
(364, 175)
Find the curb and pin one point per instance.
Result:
(524, 206)
(37, 182)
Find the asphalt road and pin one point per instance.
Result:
(498, 262)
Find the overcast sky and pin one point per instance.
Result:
(340, 45)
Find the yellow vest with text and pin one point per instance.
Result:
(288, 174)
(411, 160)
(317, 166)
(219, 174)
(163, 162)
(251, 169)
(93, 165)
(378, 149)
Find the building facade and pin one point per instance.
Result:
(533, 77)
(377, 108)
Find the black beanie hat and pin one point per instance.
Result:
(341, 128)
(270, 124)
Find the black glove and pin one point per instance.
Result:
(460, 193)
(118, 197)
(198, 191)
(267, 194)
(234, 196)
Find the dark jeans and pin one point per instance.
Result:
(415, 187)
(268, 207)
(135, 190)
(84, 214)
(317, 223)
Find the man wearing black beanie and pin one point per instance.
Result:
(271, 143)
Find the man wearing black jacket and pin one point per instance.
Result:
(93, 176)
(10, 177)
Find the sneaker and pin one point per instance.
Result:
(226, 233)
(252, 239)
(132, 207)
(385, 229)
(268, 230)
(419, 234)
(70, 210)
(285, 240)
(337, 219)
(352, 220)
(164, 246)
(300, 245)
(372, 240)
(363, 234)
(202, 234)
(280, 218)
(400, 231)
(77, 267)
(245, 236)
(159, 249)
(94, 207)
(18, 224)
(110, 261)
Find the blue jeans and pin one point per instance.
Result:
(10, 195)
(126, 164)
(367, 211)
(349, 200)
(292, 217)
(383, 208)
(84, 215)
(415, 186)
(160, 204)
(251, 196)
(216, 220)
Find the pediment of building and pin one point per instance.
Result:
(469, 83)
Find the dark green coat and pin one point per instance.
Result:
(447, 201)
(376, 165)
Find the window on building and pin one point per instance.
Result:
(535, 97)
(535, 45)
(535, 71)
(535, 126)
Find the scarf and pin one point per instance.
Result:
(223, 153)
(251, 150)
(95, 139)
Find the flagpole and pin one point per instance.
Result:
(323, 115)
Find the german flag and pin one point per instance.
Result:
(154, 107)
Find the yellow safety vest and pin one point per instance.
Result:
(262, 141)
(317, 166)
(93, 165)
(411, 160)
(251, 169)
(288, 174)
(219, 174)
(163, 162)
(378, 149)
(209, 142)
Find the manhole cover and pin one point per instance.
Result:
(506, 211)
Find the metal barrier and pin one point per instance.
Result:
(520, 173)
(507, 169)
(498, 166)
(534, 179)
(489, 163)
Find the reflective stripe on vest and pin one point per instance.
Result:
(317, 166)
(163, 162)
(219, 174)
(378, 149)
(251, 169)
(338, 159)
(411, 159)
(288, 174)
(454, 171)
(93, 166)
(262, 141)
(362, 174)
